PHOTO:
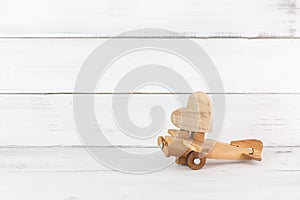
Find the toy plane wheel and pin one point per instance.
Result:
(196, 160)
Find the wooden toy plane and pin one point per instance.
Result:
(189, 145)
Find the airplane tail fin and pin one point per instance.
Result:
(255, 145)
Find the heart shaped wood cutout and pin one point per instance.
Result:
(196, 116)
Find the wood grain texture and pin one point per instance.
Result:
(76, 159)
(95, 185)
(192, 18)
(43, 45)
(70, 173)
(196, 115)
(38, 120)
(245, 66)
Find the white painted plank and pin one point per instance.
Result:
(76, 159)
(245, 66)
(37, 120)
(70, 173)
(193, 18)
(208, 184)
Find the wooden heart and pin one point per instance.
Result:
(196, 116)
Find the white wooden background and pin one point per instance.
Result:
(254, 44)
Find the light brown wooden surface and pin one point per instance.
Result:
(221, 150)
(179, 133)
(196, 116)
(199, 136)
(187, 145)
